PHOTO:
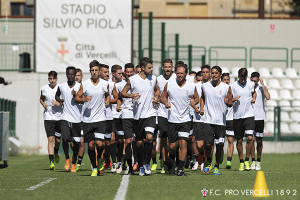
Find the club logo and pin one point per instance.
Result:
(62, 51)
(187, 92)
(150, 83)
(220, 92)
(204, 192)
(103, 89)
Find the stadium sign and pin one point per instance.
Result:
(74, 32)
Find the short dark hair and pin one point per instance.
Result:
(168, 60)
(205, 66)
(199, 73)
(138, 66)
(255, 74)
(114, 68)
(181, 64)
(144, 61)
(52, 73)
(217, 68)
(71, 68)
(129, 65)
(94, 63)
(103, 65)
(243, 72)
(225, 74)
(78, 70)
(192, 72)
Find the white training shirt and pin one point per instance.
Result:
(179, 98)
(71, 110)
(161, 82)
(108, 109)
(197, 117)
(52, 112)
(143, 107)
(259, 105)
(215, 107)
(243, 107)
(94, 109)
(115, 113)
(229, 113)
(127, 105)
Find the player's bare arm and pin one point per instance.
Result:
(58, 100)
(164, 97)
(126, 88)
(115, 95)
(107, 96)
(80, 98)
(265, 89)
(228, 98)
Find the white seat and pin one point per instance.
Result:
(284, 116)
(196, 69)
(291, 73)
(287, 84)
(286, 94)
(296, 103)
(296, 94)
(297, 83)
(251, 70)
(264, 72)
(285, 129)
(295, 127)
(295, 116)
(274, 83)
(225, 70)
(277, 72)
(271, 103)
(269, 128)
(274, 94)
(285, 105)
(235, 70)
(270, 116)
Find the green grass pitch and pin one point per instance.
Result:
(281, 171)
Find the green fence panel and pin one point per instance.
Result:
(233, 59)
(285, 50)
(292, 56)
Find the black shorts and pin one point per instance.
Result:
(178, 131)
(94, 131)
(243, 127)
(70, 132)
(259, 128)
(81, 129)
(117, 126)
(163, 127)
(229, 128)
(214, 134)
(52, 128)
(199, 130)
(128, 128)
(155, 132)
(108, 128)
(144, 126)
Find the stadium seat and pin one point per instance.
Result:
(270, 116)
(274, 94)
(269, 127)
(286, 94)
(296, 94)
(296, 105)
(234, 71)
(297, 83)
(285, 105)
(284, 116)
(277, 72)
(291, 73)
(287, 84)
(274, 83)
(264, 72)
(285, 129)
(225, 70)
(251, 70)
(197, 69)
(295, 116)
(295, 127)
(270, 104)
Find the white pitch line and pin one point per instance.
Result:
(121, 194)
(41, 184)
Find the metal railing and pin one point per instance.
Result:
(10, 106)
(269, 60)
(218, 58)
